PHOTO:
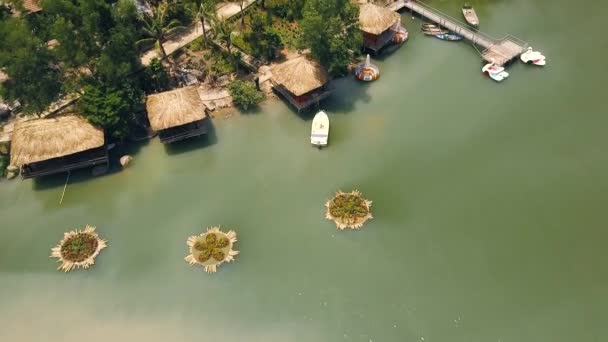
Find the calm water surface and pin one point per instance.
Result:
(489, 204)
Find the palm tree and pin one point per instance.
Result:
(241, 4)
(156, 27)
(223, 32)
(205, 12)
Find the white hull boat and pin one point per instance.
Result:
(320, 130)
(533, 57)
(495, 72)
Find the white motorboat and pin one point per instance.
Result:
(533, 57)
(320, 130)
(495, 72)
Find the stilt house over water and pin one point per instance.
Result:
(177, 114)
(47, 146)
(378, 25)
(302, 81)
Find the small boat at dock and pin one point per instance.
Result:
(533, 57)
(449, 36)
(495, 72)
(433, 31)
(320, 130)
(470, 15)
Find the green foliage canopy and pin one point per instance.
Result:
(112, 108)
(331, 29)
(245, 95)
(35, 79)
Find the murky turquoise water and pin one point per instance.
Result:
(489, 204)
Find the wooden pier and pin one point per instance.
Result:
(500, 51)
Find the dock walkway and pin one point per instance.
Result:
(500, 51)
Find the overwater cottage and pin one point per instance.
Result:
(301, 81)
(43, 147)
(177, 114)
(379, 26)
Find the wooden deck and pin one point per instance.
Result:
(501, 51)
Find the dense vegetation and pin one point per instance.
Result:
(91, 47)
(245, 95)
(330, 28)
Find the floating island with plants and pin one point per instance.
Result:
(78, 249)
(348, 210)
(211, 249)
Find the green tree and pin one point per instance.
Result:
(158, 26)
(205, 12)
(119, 58)
(94, 34)
(111, 108)
(82, 28)
(245, 95)
(288, 9)
(264, 40)
(156, 77)
(330, 28)
(35, 80)
(223, 31)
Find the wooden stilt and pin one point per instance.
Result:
(65, 187)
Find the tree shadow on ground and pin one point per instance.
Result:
(195, 143)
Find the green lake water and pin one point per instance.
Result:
(489, 203)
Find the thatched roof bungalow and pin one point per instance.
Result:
(177, 114)
(302, 81)
(32, 6)
(42, 147)
(378, 25)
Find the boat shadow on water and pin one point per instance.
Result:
(349, 92)
(195, 143)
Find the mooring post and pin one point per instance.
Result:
(65, 187)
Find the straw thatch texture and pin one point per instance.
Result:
(32, 6)
(43, 139)
(375, 19)
(174, 108)
(300, 75)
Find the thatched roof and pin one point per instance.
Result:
(376, 19)
(32, 6)
(300, 75)
(174, 108)
(43, 139)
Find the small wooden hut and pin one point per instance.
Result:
(302, 81)
(177, 114)
(43, 147)
(379, 25)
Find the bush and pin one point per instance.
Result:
(245, 95)
(156, 77)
